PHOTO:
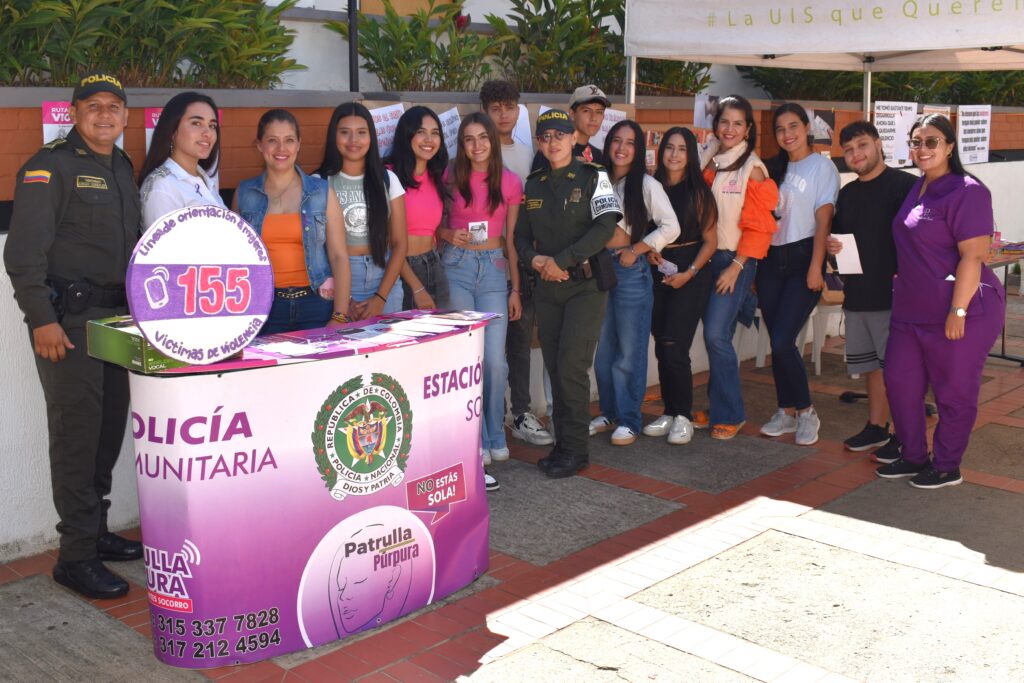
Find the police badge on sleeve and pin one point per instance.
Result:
(604, 200)
(362, 436)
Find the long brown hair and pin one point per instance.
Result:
(463, 167)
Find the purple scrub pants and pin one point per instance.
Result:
(918, 355)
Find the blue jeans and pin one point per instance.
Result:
(786, 304)
(305, 313)
(366, 279)
(621, 361)
(719, 328)
(477, 282)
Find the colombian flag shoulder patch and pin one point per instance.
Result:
(36, 177)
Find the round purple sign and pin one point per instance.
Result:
(200, 284)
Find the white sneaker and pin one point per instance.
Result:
(807, 425)
(490, 483)
(659, 427)
(600, 424)
(681, 432)
(485, 455)
(780, 424)
(623, 436)
(528, 428)
(499, 454)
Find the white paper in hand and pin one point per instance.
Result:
(848, 259)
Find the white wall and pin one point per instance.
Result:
(325, 54)
(28, 519)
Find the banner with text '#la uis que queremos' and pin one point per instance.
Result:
(287, 507)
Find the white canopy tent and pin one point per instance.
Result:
(838, 35)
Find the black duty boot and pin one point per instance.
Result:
(90, 578)
(565, 466)
(544, 463)
(113, 548)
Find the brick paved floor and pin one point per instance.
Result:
(520, 607)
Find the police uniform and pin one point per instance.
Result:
(568, 214)
(75, 223)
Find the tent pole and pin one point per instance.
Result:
(630, 80)
(867, 90)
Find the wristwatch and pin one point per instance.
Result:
(960, 312)
(693, 269)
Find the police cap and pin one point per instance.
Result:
(90, 84)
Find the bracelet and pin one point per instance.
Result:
(377, 294)
(421, 289)
(693, 268)
(339, 317)
(514, 291)
(738, 263)
(631, 250)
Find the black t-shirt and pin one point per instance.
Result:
(579, 152)
(867, 209)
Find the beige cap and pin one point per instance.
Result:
(588, 93)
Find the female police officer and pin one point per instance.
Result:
(570, 213)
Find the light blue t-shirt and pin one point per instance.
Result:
(810, 184)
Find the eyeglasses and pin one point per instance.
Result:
(552, 135)
(929, 142)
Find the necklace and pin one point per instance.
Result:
(278, 200)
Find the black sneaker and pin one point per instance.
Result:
(872, 436)
(901, 468)
(931, 478)
(490, 483)
(888, 453)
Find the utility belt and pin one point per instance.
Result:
(75, 296)
(600, 267)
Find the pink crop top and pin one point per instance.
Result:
(461, 215)
(423, 207)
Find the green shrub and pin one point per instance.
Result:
(426, 51)
(153, 43)
(946, 87)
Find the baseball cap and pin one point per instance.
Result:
(588, 93)
(554, 119)
(95, 82)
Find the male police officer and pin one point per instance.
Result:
(570, 213)
(75, 223)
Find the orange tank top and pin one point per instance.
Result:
(282, 233)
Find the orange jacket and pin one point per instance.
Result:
(756, 220)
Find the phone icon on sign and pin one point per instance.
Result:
(156, 287)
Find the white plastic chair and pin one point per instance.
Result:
(817, 322)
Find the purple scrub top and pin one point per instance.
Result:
(926, 231)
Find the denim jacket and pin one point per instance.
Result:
(252, 206)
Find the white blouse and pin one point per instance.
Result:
(659, 208)
(170, 187)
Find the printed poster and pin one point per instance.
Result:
(152, 115)
(611, 117)
(893, 121)
(450, 121)
(288, 507)
(523, 132)
(385, 120)
(974, 132)
(705, 107)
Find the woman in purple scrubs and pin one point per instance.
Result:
(947, 307)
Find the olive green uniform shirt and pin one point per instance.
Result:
(569, 214)
(76, 217)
